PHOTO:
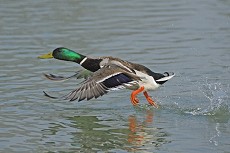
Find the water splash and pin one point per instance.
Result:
(215, 136)
(217, 96)
(216, 107)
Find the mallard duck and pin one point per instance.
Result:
(107, 73)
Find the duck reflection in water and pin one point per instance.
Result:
(94, 133)
(137, 129)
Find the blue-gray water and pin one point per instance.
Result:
(188, 37)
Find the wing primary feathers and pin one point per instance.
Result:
(89, 93)
(75, 95)
(89, 90)
(70, 95)
(82, 94)
(95, 91)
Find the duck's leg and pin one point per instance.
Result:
(149, 99)
(133, 97)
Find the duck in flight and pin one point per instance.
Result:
(104, 74)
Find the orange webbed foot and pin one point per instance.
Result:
(149, 99)
(133, 97)
(134, 100)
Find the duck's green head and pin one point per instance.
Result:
(65, 54)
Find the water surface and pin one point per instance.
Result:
(188, 37)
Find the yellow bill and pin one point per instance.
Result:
(45, 56)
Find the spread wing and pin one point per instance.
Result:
(101, 82)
